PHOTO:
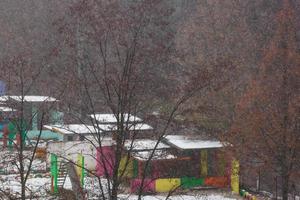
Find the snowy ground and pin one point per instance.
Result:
(10, 165)
(36, 186)
(40, 186)
(180, 197)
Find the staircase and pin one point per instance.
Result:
(62, 175)
(68, 169)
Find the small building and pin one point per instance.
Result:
(33, 108)
(71, 150)
(177, 160)
(76, 139)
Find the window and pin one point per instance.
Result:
(70, 138)
(81, 138)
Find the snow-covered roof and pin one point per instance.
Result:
(70, 129)
(111, 118)
(29, 98)
(184, 142)
(7, 109)
(131, 127)
(158, 155)
(4, 98)
(34, 98)
(144, 144)
(105, 141)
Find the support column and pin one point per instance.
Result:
(235, 176)
(5, 136)
(80, 168)
(204, 163)
(54, 174)
(34, 114)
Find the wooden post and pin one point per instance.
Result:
(18, 137)
(135, 168)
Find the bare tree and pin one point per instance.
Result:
(22, 80)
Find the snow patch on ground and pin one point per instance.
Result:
(39, 187)
(177, 197)
(9, 162)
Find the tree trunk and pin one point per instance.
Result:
(23, 194)
(285, 185)
(114, 193)
(115, 179)
(76, 187)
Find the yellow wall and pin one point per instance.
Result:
(167, 185)
(128, 169)
(79, 165)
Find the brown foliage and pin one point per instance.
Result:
(266, 128)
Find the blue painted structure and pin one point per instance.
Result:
(2, 88)
(46, 135)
